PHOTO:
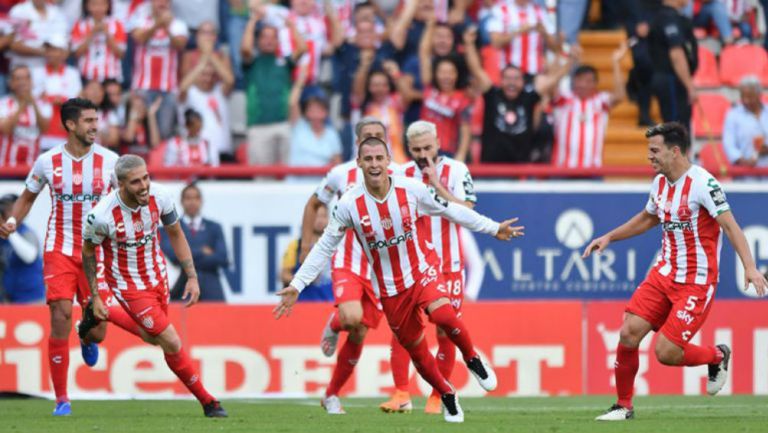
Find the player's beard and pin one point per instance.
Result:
(83, 139)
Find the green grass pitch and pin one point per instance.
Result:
(556, 414)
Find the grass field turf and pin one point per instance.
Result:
(556, 414)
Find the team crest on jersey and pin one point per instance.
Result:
(386, 223)
(684, 213)
(77, 178)
(147, 322)
(138, 226)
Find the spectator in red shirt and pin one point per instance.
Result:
(99, 42)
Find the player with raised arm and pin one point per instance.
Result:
(677, 295)
(383, 212)
(78, 173)
(125, 224)
(357, 308)
(451, 180)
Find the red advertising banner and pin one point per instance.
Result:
(535, 347)
(743, 325)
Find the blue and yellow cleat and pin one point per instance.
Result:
(90, 352)
(63, 408)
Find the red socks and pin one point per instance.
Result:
(181, 364)
(445, 317)
(58, 361)
(625, 369)
(335, 322)
(400, 361)
(427, 367)
(701, 355)
(119, 317)
(446, 357)
(345, 365)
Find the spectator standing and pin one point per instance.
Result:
(321, 289)
(206, 38)
(7, 35)
(140, 134)
(23, 274)
(109, 124)
(746, 127)
(204, 88)
(268, 86)
(206, 241)
(55, 82)
(99, 42)
(581, 116)
(190, 149)
(23, 119)
(674, 51)
(40, 21)
(159, 37)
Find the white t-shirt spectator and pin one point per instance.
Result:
(35, 29)
(214, 109)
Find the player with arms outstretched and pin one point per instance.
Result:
(125, 225)
(383, 212)
(678, 293)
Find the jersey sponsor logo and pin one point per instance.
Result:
(124, 243)
(83, 197)
(58, 171)
(673, 226)
(718, 196)
(365, 221)
(685, 316)
(395, 240)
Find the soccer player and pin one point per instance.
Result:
(78, 173)
(125, 224)
(383, 211)
(676, 296)
(451, 180)
(356, 303)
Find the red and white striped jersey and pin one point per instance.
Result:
(22, 145)
(349, 255)
(386, 228)
(132, 256)
(99, 62)
(55, 85)
(314, 31)
(183, 152)
(692, 238)
(580, 126)
(526, 51)
(442, 234)
(156, 62)
(75, 185)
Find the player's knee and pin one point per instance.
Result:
(60, 317)
(351, 320)
(629, 337)
(668, 355)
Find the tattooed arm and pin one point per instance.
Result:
(90, 268)
(184, 254)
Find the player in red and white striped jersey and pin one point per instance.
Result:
(159, 39)
(23, 118)
(78, 174)
(125, 224)
(522, 30)
(678, 293)
(356, 303)
(581, 116)
(383, 212)
(453, 181)
(99, 42)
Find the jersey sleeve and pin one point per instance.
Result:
(36, 179)
(167, 207)
(712, 197)
(95, 229)
(78, 35)
(465, 189)
(329, 187)
(650, 206)
(673, 34)
(430, 203)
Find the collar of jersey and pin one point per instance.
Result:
(386, 197)
(70, 156)
(125, 206)
(683, 176)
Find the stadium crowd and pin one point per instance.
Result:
(190, 83)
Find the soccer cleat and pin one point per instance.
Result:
(214, 410)
(453, 412)
(63, 408)
(483, 372)
(90, 353)
(399, 403)
(329, 340)
(617, 413)
(332, 405)
(88, 322)
(434, 405)
(718, 373)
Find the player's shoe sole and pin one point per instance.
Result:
(718, 373)
(453, 412)
(63, 408)
(90, 353)
(483, 372)
(617, 413)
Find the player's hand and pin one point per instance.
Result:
(597, 245)
(507, 231)
(288, 297)
(99, 309)
(431, 172)
(754, 277)
(7, 228)
(191, 292)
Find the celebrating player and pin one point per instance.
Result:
(383, 212)
(77, 172)
(125, 223)
(356, 303)
(678, 293)
(452, 181)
